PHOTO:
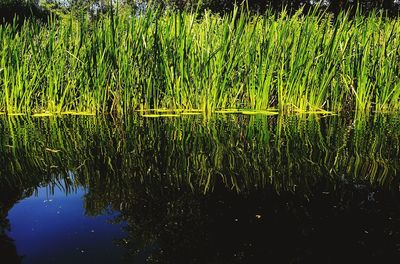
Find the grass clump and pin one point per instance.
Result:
(180, 61)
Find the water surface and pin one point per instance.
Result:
(228, 189)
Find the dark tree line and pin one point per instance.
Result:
(392, 7)
(23, 9)
(40, 9)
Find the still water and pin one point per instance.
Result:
(52, 227)
(225, 189)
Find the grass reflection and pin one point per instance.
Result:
(241, 153)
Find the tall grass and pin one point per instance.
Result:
(180, 61)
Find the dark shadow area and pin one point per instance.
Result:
(342, 226)
(16, 11)
(388, 7)
(20, 10)
(9, 196)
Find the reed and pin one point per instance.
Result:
(182, 62)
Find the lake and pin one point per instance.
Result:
(195, 189)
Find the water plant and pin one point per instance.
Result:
(180, 62)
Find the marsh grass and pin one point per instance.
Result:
(183, 63)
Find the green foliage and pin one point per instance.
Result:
(176, 60)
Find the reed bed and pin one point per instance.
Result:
(186, 63)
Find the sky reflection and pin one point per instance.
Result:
(48, 224)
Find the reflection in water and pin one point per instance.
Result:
(8, 197)
(50, 227)
(224, 190)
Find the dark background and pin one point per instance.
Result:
(31, 8)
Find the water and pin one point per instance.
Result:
(52, 227)
(229, 189)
